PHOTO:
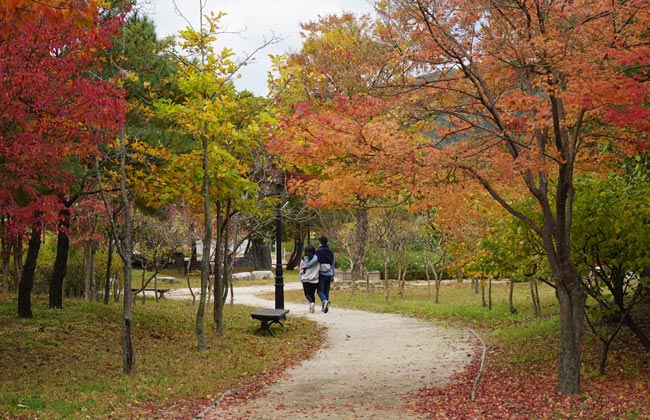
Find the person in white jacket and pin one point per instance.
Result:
(309, 270)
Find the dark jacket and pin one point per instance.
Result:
(325, 256)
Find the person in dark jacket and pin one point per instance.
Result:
(326, 275)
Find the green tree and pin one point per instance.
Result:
(612, 218)
(226, 128)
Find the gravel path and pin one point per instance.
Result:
(366, 365)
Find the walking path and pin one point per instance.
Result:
(366, 365)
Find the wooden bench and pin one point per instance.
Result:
(167, 279)
(160, 292)
(269, 316)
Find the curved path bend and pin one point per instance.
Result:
(367, 364)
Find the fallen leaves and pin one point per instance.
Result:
(518, 392)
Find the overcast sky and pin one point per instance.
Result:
(256, 20)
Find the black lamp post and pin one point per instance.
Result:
(279, 279)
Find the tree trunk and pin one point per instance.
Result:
(27, 277)
(360, 243)
(298, 246)
(6, 257)
(18, 259)
(220, 268)
(109, 264)
(490, 294)
(604, 353)
(572, 304)
(94, 287)
(426, 274)
(386, 281)
(62, 251)
(87, 286)
(6, 254)
(6, 260)
(128, 347)
(483, 301)
(534, 296)
(207, 241)
(61, 260)
(260, 255)
(513, 310)
(638, 332)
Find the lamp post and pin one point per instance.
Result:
(279, 279)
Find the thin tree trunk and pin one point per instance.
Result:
(220, 269)
(18, 259)
(187, 276)
(94, 287)
(483, 301)
(426, 274)
(513, 310)
(27, 279)
(360, 243)
(532, 284)
(5, 272)
(298, 246)
(87, 286)
(604, 353)
(490, 294)
(109, 267)
(386, 282)
(207, 241)
(6, 254)
(638, 332)
(128, 346)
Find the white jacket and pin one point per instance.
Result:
(309, 270)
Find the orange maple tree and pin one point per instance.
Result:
(336, 133)
(519, 96)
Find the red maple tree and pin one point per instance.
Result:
(56, 110)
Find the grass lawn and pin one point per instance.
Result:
(67, 364)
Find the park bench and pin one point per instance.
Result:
(269, 316)
(159, 292)
(167, 279)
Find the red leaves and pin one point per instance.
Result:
(54, 107)
(527, 391)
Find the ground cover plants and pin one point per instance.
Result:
(67, 363)
(519, 375)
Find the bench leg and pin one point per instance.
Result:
(266, 326)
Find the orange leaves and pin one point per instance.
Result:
(14, 14)
(348, 149)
